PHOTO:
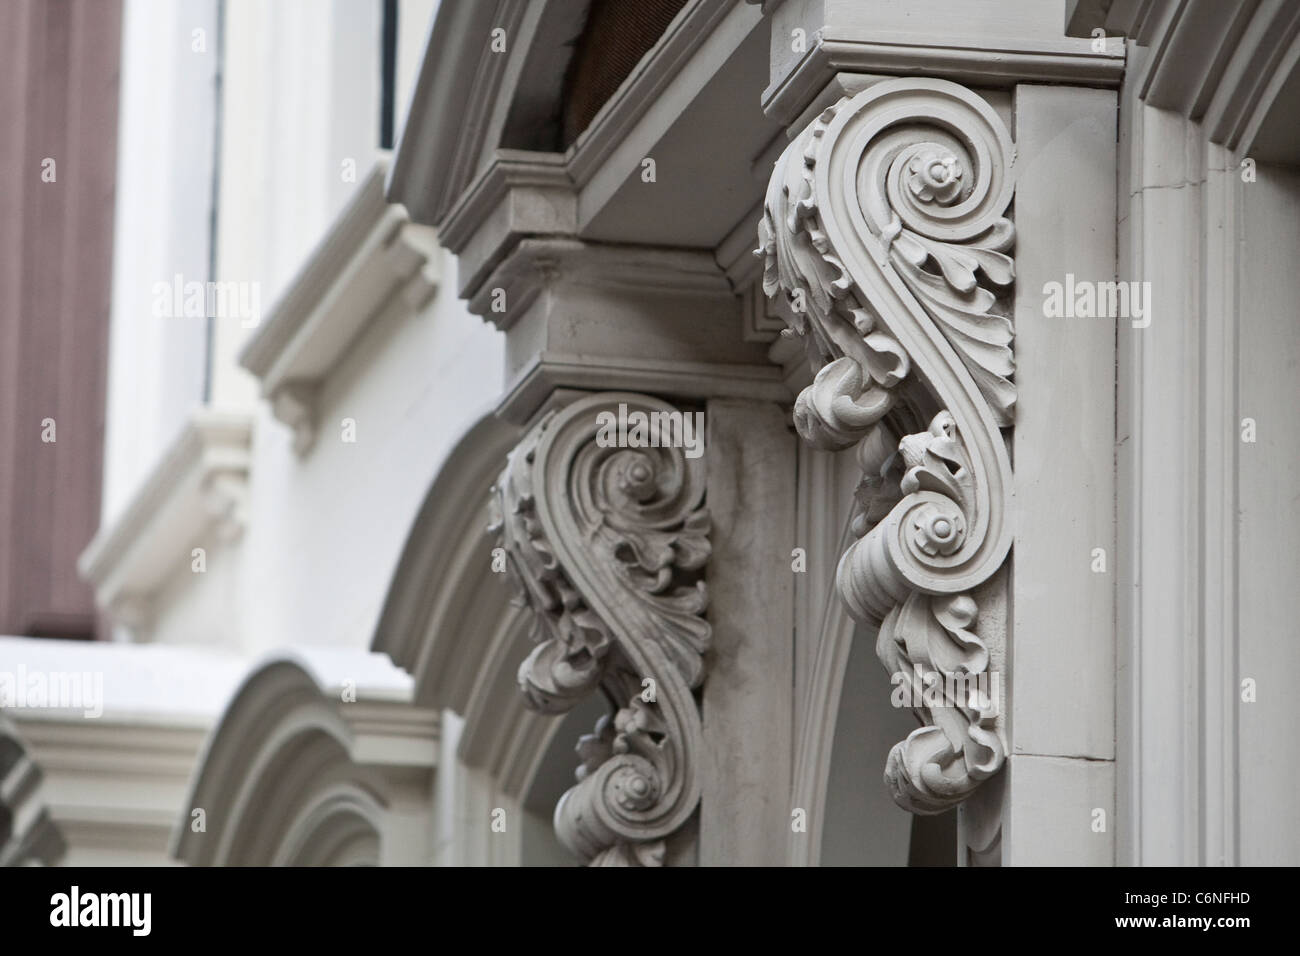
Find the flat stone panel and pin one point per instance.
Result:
(1054, 819)
(1269, 522)
(1062, 636)
(748, 708)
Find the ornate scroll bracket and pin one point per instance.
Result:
(885, 224)
(607, 546)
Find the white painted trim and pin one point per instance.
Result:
(198, 489)
(112, 783)
(32, 838)
(371, 253)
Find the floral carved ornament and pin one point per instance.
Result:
(607, 546)
(886, 225)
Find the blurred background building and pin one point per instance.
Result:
(298, 299)
(59, 109)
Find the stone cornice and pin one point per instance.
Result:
(148, 765)
(548, 371)
(509, 170)
(536, 263)
(198, 489)
(446, 146)
(371, 253)
(1025, 43)
(485, 197)
(113, 782)
(564, 302)
(519, 194)
(452, 105)
(1221, 64)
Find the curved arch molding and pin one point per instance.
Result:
(607, 546)
(886, 225)
(297, 773)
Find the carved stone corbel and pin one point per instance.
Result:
(885, 224)
(608, 546)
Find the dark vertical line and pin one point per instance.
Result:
(388, 71)
(218, 99)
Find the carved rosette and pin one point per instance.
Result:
(608, 546)
(885, 225)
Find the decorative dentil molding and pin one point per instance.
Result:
(607, 546)
(885, 225)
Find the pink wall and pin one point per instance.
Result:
(58, 99)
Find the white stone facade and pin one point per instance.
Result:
(401, 569)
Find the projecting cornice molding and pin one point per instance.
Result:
(371, 253)
(570, 309)
(28, 836)
(608, 547)
(536, 265)
(471, 97)
(885, 223)
(519, 194)
(964, 42)
(1225, 65)
(196, 496)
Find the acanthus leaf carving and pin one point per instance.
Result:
(608, 547)
(886, 225)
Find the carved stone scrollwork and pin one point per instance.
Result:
(608, 547)
(885, 223)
